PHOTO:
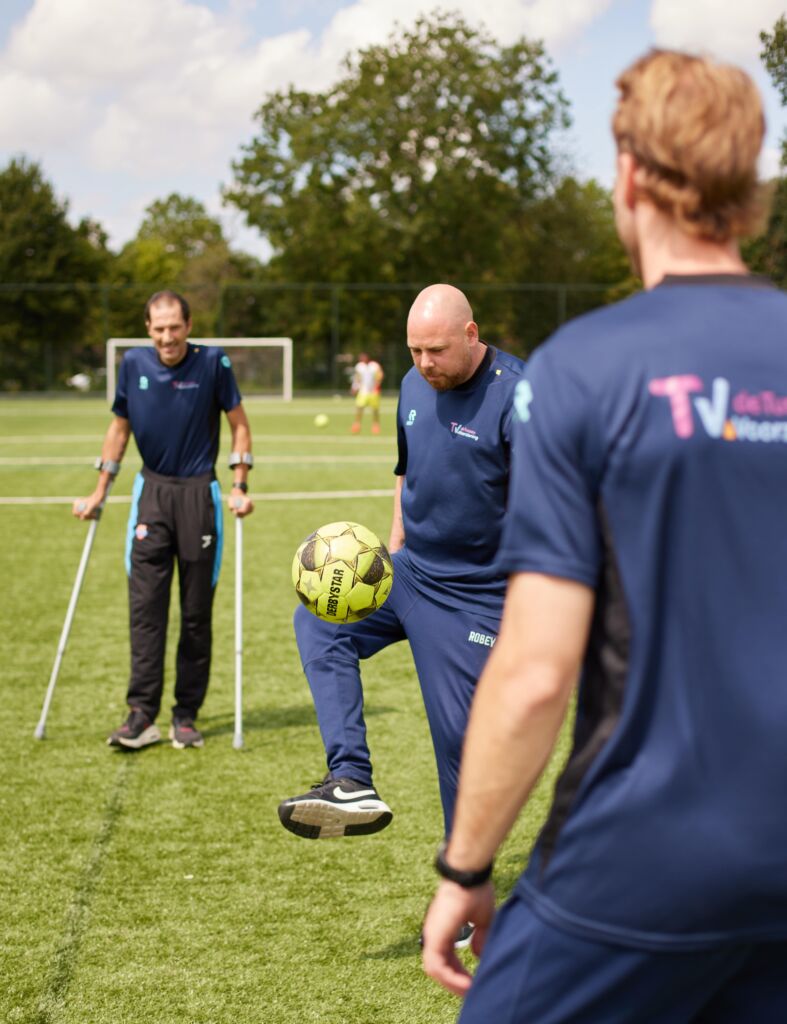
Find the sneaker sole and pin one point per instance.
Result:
(183, 746)
(145, 739)
(320, 819)
(460, 942)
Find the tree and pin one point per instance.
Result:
(182, 225)
(178, 245)
(47, 266)
(768, 253)
(413, 157)
(774, 57)
(407, 168)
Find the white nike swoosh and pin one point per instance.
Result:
(341, 795)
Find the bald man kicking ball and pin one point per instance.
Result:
(453, 427)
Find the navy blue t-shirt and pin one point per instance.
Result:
(455, 454)
(650, 463)
(175, 412)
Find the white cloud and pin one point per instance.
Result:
(553, 21)
(133, 100)
(150, 90)
(35, 114)
(770, 162)
(729, 31)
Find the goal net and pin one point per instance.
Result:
(262, 366)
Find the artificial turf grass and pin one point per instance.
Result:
(101, 922)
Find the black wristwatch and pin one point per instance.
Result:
(240, 485)
(467, 879)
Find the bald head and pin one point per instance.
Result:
(440, 302)
(443, 337)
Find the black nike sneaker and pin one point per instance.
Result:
(463, 937)
(335, 807)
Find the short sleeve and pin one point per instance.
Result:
(120, 404)
(551, 525)
(227, 393)
(401, 441)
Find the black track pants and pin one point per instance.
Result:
(172, 519)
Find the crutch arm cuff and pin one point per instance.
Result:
(111, 467)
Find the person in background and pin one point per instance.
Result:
(171, 396)
(366, 384)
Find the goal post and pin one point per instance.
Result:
(262, 366)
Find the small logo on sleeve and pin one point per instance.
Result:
(141, 531)
(523, 397)
(225, 361)
(144, 383)
(410, 418)
(207, 540)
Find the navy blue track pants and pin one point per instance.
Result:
(533, 973)
(172, 519)
(449, 645)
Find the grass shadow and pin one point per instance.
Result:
(274, 718)
(409, 947)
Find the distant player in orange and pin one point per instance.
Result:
(366, 384)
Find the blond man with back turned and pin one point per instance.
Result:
(647, 554)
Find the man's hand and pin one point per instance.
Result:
(86, 508)
(452, 907)
(240, 504)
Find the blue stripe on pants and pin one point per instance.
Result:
(215, 493)
(133, 516)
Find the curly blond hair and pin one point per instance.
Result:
(695, 129)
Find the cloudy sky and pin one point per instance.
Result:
(124, 102)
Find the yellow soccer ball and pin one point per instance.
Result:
(342, 572)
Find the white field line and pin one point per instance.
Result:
(259, 460)
(48, 438)
(321, 438)
(119, 499)
(42, 409)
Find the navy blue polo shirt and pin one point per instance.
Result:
(650, 463)
(455, 455)
(175, 412)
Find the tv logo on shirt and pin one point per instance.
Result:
(722, 415)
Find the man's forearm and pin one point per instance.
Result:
(240, 442)
(396, 537)
(113, 449)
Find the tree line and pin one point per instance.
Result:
(435, 156)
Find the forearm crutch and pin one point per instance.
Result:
(237, 741)
(72, 604)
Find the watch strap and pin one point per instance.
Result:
(467, 879)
